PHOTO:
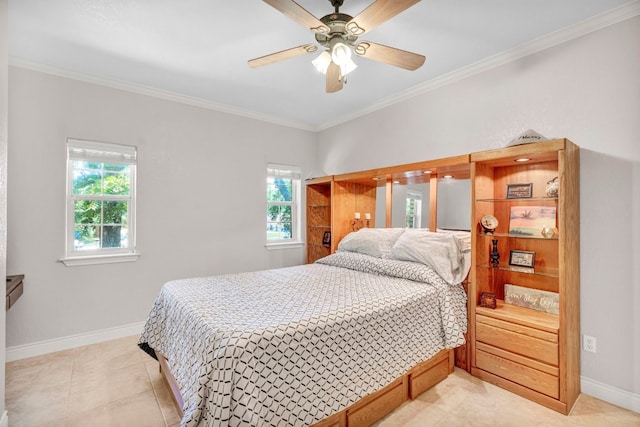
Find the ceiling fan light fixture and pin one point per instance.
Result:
(324, 59)
(338, 33)
(341, 56)
(322, 62)
(340, 53)
(348, 67)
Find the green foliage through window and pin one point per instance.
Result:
(283, 203)
(279, 208)
(101, 206)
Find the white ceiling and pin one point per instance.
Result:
(199, 48)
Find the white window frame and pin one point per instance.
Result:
(294, 173)
(416, 217)
(101, 152)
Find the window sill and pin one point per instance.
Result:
(98, 259)
(286, 245)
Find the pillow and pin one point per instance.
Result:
(464, 238)
(439, 251)
(375, 242)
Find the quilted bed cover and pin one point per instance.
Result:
(292, 346)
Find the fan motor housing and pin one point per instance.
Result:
(337, 28)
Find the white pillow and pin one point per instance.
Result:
(464, 238)
(376, 242)
(439, 251)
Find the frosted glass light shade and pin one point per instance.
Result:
(324, 59)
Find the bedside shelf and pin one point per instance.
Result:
(524, 199)
(538, 271)
(517, 236)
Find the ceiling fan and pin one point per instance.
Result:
(338, 33)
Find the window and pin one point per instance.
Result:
(414, 209)
(100, 202)
(283, 204)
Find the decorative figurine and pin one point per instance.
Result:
(552, 187)
(494, 255)
(547, 232)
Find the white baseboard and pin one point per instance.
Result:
(49, 346)
(4, 421)
(608, 393)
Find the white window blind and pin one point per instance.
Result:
(92, 151)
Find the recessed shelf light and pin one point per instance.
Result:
(523, 159)
(448, 176)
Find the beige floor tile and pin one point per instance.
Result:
(95, 386)
(37, 388)
(115, 384)
(121, 352)
(37, 407)
(413, 413)
(590, 411)
(24, 374)
(140, 410)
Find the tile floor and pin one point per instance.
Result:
(114, 384)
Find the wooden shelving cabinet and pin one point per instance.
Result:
(319, 197)
(533, 353)
(331, 205)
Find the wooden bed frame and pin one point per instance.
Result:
(372, 407)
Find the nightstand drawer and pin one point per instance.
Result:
(523, 375)
(527, 342)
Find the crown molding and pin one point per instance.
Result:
(154, 92)
(547, 41)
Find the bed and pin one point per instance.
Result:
(310, 345)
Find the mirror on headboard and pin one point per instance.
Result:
(417, 188)
(381, 207)
(410, 205)
(454, 204)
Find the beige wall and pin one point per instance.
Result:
(587, 90)
(201, 179)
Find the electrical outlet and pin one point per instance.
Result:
(589, 343)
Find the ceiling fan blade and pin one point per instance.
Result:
(299, 14)
(389, 55)
(282, 55)
(376, 14)
(334, 79)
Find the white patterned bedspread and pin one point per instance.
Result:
(292, 346)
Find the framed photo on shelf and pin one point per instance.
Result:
(530, 220)
(522, 258)
(519, 191)
(326, 239)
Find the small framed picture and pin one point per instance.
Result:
(522, 258)
(326, 239)
(519, 191)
